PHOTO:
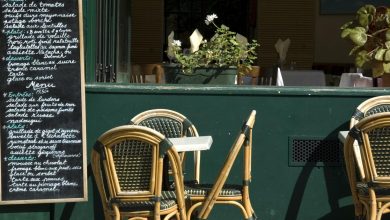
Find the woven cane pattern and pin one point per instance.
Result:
(132, 159)
(167, 201)
(380, 146)
(170, 128)
(378, 109)
(204, 189)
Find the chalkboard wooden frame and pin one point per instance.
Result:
(82, 124)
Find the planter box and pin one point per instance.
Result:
(221, 76)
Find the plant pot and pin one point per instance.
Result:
(211, 75)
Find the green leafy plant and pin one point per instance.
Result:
(370, 33)
(223, 50)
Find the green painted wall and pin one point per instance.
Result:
(278, 191)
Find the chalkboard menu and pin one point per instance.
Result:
(43, 154)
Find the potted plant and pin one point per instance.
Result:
(221, 56)
(370, 34)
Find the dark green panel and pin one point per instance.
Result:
(278, 191)
(16, 212)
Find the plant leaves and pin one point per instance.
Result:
(346, 25)
(361, 58)
(345, 32)
(354, 50)
(360, 29)
(387, 56)
(364, 20)
(358, 38)
(388, 35)
(367, 9)
(386, 67)
(377, 70)
(380, 54)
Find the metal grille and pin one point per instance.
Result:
(314, 152)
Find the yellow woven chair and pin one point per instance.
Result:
(372, 193)
(369, 107)
(204, 196)
(127, 164)
(354, 167)
(172, 124)
(140, 72)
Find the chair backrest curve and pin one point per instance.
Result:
(243, 138)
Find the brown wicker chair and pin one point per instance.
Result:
(139, 73)
(252, 74)
(206, 195)
(267, 76)
(127, 164)
(171, 124)
(372, 193)
(354, 167)
(369, 107)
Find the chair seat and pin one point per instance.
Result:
(167, 202)
(228, 190)
(379, 191)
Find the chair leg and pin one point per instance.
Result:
(373, 205)
(382, 210)
(193, 207)
(170, 215)
(116, 212)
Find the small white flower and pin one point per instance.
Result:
(176, 43)
(210, 18)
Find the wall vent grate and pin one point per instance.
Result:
(309, 151)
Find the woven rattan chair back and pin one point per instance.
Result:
(243, 140)
(369, 107)
(373, 136)
(171, 124)
(127, 163)
(352, 155)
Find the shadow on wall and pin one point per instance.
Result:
(336, 184)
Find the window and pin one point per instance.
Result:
(135, 31)
(113, 40)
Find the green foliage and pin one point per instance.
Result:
(370, 33)
(223, 50)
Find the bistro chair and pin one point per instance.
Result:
(370, 183)
(249, 76)
(127, 164)
(352, 153)
(268, 76)
(204, 196)
(147, 73)
(371, 106)
(172, 124)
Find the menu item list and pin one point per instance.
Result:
(42, 153)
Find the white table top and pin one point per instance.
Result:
(342, 136)
(192, 143)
